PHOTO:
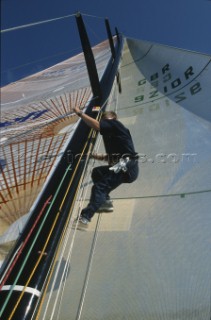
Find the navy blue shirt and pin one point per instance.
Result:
(117, 138)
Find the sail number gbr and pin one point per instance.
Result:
(167, 85)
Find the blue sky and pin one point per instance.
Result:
(181, 23)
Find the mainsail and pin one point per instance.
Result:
(37, 121)
(151, 258)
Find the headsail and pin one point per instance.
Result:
(150, 259)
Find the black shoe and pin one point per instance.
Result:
(107, 206)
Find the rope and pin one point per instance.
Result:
(35, 23)
(39, 231)
(64, 242)
(62, 284)
(30, 250)
(98, 38)
(27, 256)
(63, 279)
(66, 236)
(88, 270)
(47, 21)
(43, 59)
(59, 295)
(92, 16)
(182, 194)
(43, 250)
(22, 246)
(92, 133)
(93, 246)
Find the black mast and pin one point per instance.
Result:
(110, 38)
(89, 58)
(24, 275)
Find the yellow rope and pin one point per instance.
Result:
(57, 216)
(62, 237)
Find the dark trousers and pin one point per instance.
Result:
(105, 181)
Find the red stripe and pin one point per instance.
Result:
(24, 243)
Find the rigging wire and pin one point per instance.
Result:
(41, 303)
(47, 213)
(93, 32)
(60, 294)
(94, 241)
(22, 246)
(30, 250)
(64, 243)
(82, 198)
(88, 269)
(92, 16)
(36, 23)
(63, 280)
(40, 60)
(46, 21)
(182, 195)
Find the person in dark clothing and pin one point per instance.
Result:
(122, 162)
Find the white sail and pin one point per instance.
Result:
(150, 258)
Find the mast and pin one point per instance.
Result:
(24, 275)
(89, 58)
(111, 42)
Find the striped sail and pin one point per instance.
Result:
(37, 122)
